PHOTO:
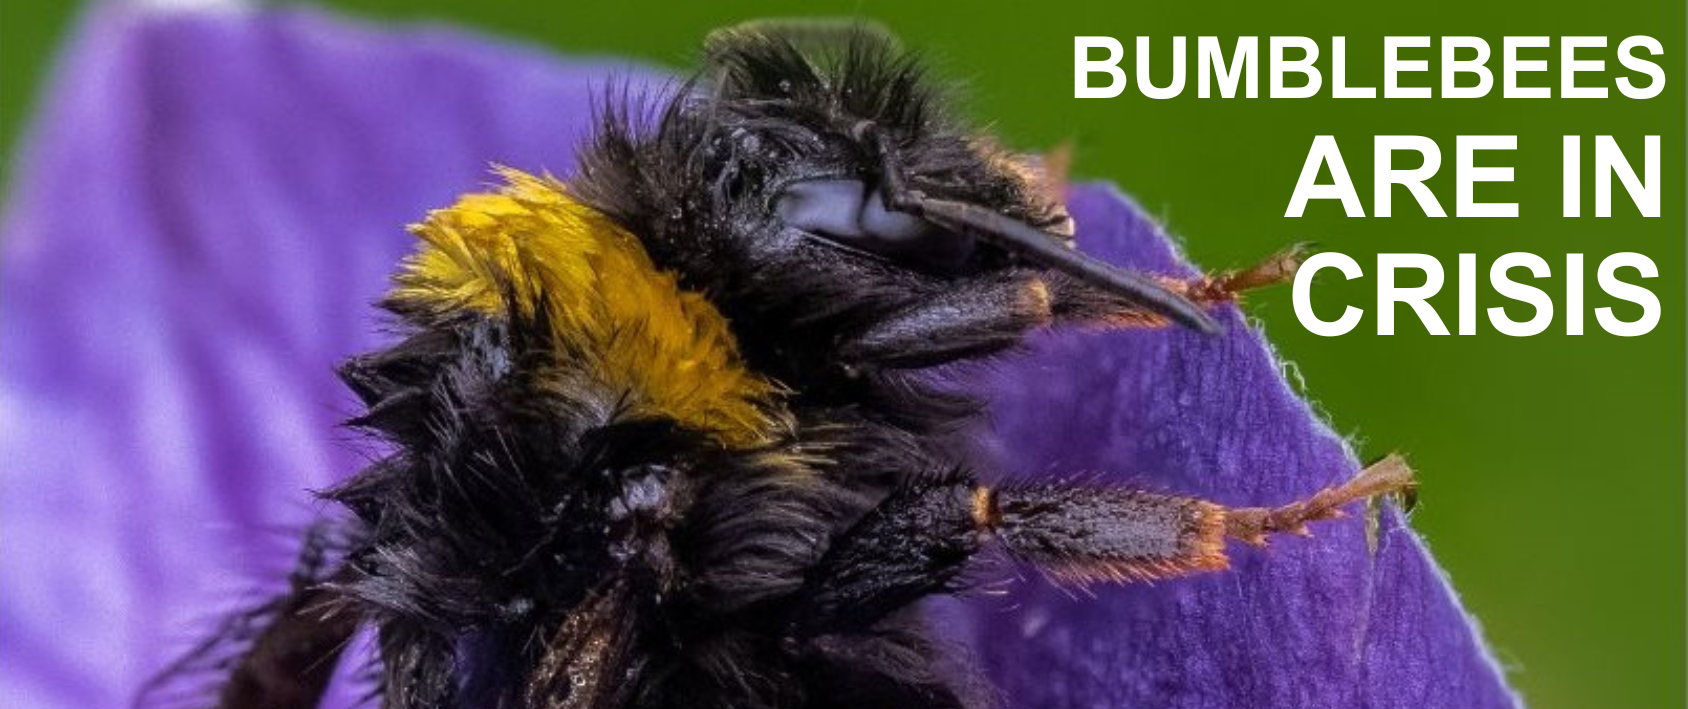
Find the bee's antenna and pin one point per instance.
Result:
(1022, 238)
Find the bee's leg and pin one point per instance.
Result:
(1084, 535)
(277, 655)
(991, 313)
(976, 317)
(911, 546)
(291, 663)
(922, 536)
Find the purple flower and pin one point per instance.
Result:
(209, 202)
(1315, 623)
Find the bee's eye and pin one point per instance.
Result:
(847, 213)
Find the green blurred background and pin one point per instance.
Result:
(1552, 465)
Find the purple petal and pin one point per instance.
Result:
(209, 203)
(1311, 623)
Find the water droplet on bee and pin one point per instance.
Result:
(785, 86)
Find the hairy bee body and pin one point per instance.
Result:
(580, 437)
(659, 436)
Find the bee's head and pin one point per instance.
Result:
(814, 166)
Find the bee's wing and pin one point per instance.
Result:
(588, 661)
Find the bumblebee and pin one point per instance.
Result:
(659, 434)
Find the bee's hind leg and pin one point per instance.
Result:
(920, 539)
